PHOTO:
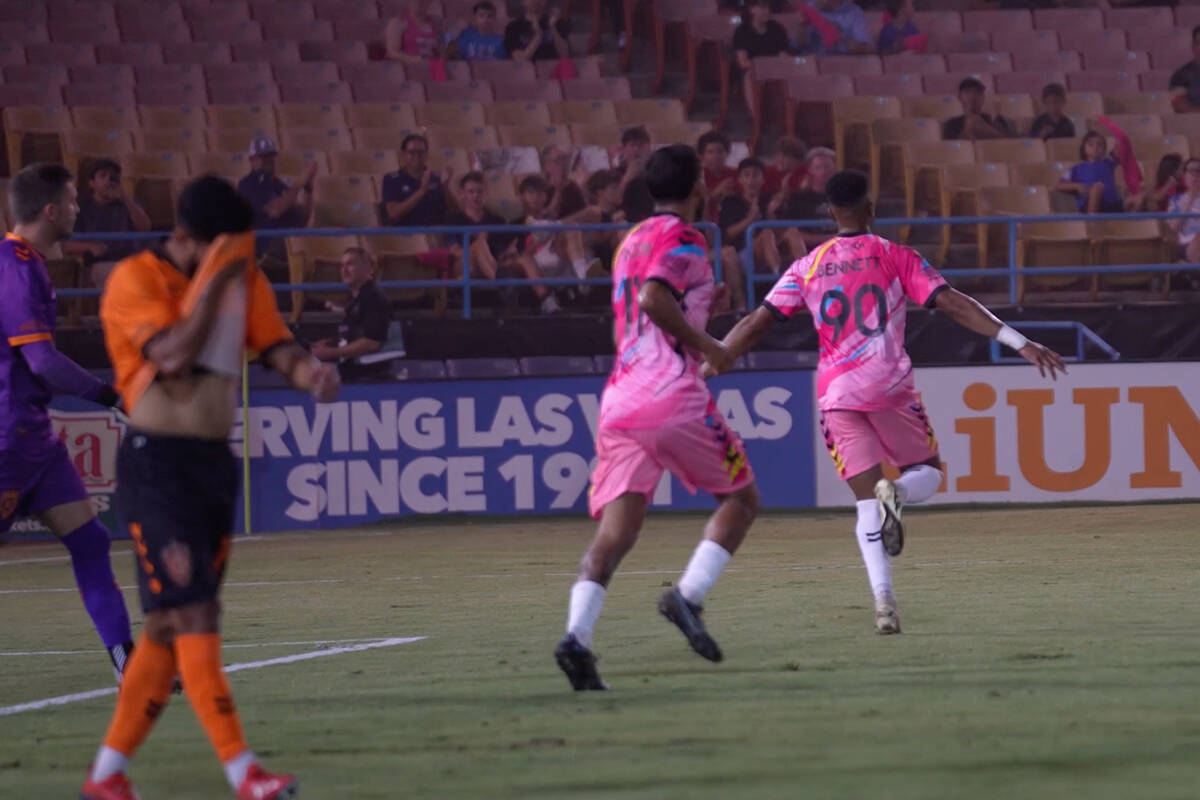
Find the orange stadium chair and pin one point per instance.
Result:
(23, 11)
(346, 9)
(238, 73)
(36, 74)
(1156, 103)
(297, 30)
(315, 72)
(34, 133)
(938, 22)
(183, 140)
(380, 138)
(1063, 149)
(339, 52)
(407, 92)
(5, 215)
(153, 179)
(852, 118)
(269, 52)
(315, 139)
(603, 136)
(462, 115)
(584, 112)
(294, 164)
(465, 92)
(105, 117)
(996, 21)
(519, 114)
(173, 117)
(477, 138)
(1008, 201)
(363, 162)
(98, 94)
(335, 92)
(259, 116)
(1069, 19)
(1130, 241)
(59, 53)
(311, 115)
(585, 67)
(989, 63)
(1165, 55)
(887, 138)
(961, 187)
(1187, 16)
(1153, 148)
(205, 53)
(344, 201)
(499, 71)
(135, 54)
(948, 84)
(1050, 244)
(231, 166)
(771, 76)
(1022, 42)
(1115, 82)
(1186, 125)
(540, 91)
(365, 34)
(940, 107)
(892, 85)
(150, 28)
(171, 93)
(535, 136)
(1155, 80)
(808, 105)
(233, 140)
(132, 10)
(912, 64)
(96, 143)
(923, 162)
(175, 74)
(1010, 151)
(457, 160)
(1040, 173)
(399, 116)
(266, 92)
(316, 259)
(1012, 106)
(1084, 104)
(646, 110)
(218, 28)
(1121, 61)
(1030, 83)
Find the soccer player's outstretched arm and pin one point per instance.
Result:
(657, 300)
(744, 336)
(971, 314)
(64, 376)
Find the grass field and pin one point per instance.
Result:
(1046, 653)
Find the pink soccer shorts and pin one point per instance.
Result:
(703, 454)
(858, 440)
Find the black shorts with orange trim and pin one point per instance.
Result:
(176, 497)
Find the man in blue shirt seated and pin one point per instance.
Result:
(481, 41)
(276, 204)
(415, 196)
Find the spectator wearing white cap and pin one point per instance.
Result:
(276, 203)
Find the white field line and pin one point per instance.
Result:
(66, 699)
(224, 646)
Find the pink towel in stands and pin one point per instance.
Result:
(1124, 155)
(830, 33)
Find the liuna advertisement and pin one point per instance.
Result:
(486, 447)
(1103, 432)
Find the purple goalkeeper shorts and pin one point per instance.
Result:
(31, 484)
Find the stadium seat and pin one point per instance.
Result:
(1122, 61)
(535, 136)
(97, 142)
(266, 11)
(1115, 82)
(889, 85)
(204, 53)
(966, 42)
(912, 64)
(852, 118)
(1090, 20)
(997, 21)
(294, 163)
(33, 132)
(311, 115)
(706, 34)
(232, 166)
(320, 73)
(36, 74)
(1152, 148)
(154, 179)
(346, 9)
(1187, 125)
(11, 53)
(961, 186)
(1008, 201)
(258, 72)
(923, 162)
(26, 32)
(98, 94)
(1040, 173)
(662, 133)
(456, 72)
(217, 28)
(373, 72)
(229, 10)
(316, 259)
(1093, 41)
(463, 138)
(339, 52)
(1155, 80)
(397, 116)
(465, 92)
(23, 11)
(647, 110)
(550, 366)
(1130, 241)
(1156, 103)
(1029, 83)
(1050, 244)
(408, 369)
(1159, 19)
(808, 111)
(1084, 104)
(169, 93)
(470, 368)
(1023, 42)
(325, 139)
(150, 28)
(396, 259)
(987, 63)
(260, 116)
(851, 65)
(380, 138)
(939, 107)
(367, 34)
(173, 117)
(519, 114)
(541, 91)
(344, 201)
(84, 31)
(115, 74)
(603, 136)
(272, 52)
(105, 117)
(1012, 106)
(499, 71)
(938, 85)
(1010, 151)
(585, 67)
(596, 89)
(1063, 61)
(298, 30)
(264, 93)
(887, 138)
(363, 162)
(64, 53)
(235, 140)
(323, 93)
(183, 140)
(584, 112)
(467, 114)
(135, 54)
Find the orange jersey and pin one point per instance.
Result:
(146, 294)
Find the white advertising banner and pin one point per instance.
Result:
(1104, 432)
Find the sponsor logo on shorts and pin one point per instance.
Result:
(178, 560)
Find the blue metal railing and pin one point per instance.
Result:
(1083, 335)
(1012, 271)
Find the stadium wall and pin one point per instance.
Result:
(1106, 432)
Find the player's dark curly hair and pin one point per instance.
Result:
(210, 206)
(672, 172)
(847, 189)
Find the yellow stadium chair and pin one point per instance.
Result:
(887, 154)
(940, 107)
(154, 165)
(1010, 151)
(156, 118)
(1008, 201)
(1187, 125)
(105, 118)
(379, 138)
(1063, 150)
(1152, 148)
(535, 136)
(311, 115)
(605, 136)
(1043, 173)
(1158, 103)
(396, 260)
(232, 166)
(852, 118)
(459, 161)
(231, 140)
(677, 132)
(1012, 106)
(32, 133)
(1084, 104)
(923, 174)
(363, 162)
(182, 140)
(584, 112)
(391, 116)
(644, 111)
(344, 201)
(1050, 244)
(294, 163)
(961, 187)
(154, 180)
(1117, 242)
(315, 139)
(474, 138)
(316, 259)
(451, 115)
(1136, 126)
(243, 117)
(518, 113)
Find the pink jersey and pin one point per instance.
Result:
(857, 288)
(654, 380)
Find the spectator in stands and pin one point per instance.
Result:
(481, 41)
(1188, 202)
(487, 249)
(553, 255)
(739, 210)
(566, 197)
(810, 201)
(276, 204)
(1093, 180)
(636, 201)
(415, 196)
(974, 123)
(604, 191)
(537, 35)
(898, 29)
(1185, 83)
(1052, 123)
(720, 179)
(1168, 182)
(416, 37)
(757, 37)
(786, 173)
(109, 209)
(364, 328)
(838, 27)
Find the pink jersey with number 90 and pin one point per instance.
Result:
(654, 380)
(857, 288)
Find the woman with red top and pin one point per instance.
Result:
(1168, 182)
(786, 173)
(415, 37)
(719, 178)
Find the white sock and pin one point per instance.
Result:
(587, 598)
(702, 571)
(108, 763)
(919, 484)
(879, 567)
(580, 266)
(237, 767)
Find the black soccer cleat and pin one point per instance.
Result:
(579, 665)
(890, 505)
(686, 617)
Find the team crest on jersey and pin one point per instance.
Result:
(8, 503)
(178, 561)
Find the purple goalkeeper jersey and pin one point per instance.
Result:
(27, 315)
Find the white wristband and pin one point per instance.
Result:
(1011, 338)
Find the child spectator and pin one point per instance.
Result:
(757, 37)
(414, 37)
(1168, 182)
(899, 32)
(604, 192)
(719, 178)
(973, 123)
(636, 201)
(553, 255)
(1052, 123)
(786, 173)
(566, 198)
(486, 249)
(480, 41)
(537, 35)
(739, 211)
(1188, 202)
(810, 201)
(1094, 179)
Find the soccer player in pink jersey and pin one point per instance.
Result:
(857, 286)
(657, 414)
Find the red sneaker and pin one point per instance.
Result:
(114, 787)
(262, 785)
